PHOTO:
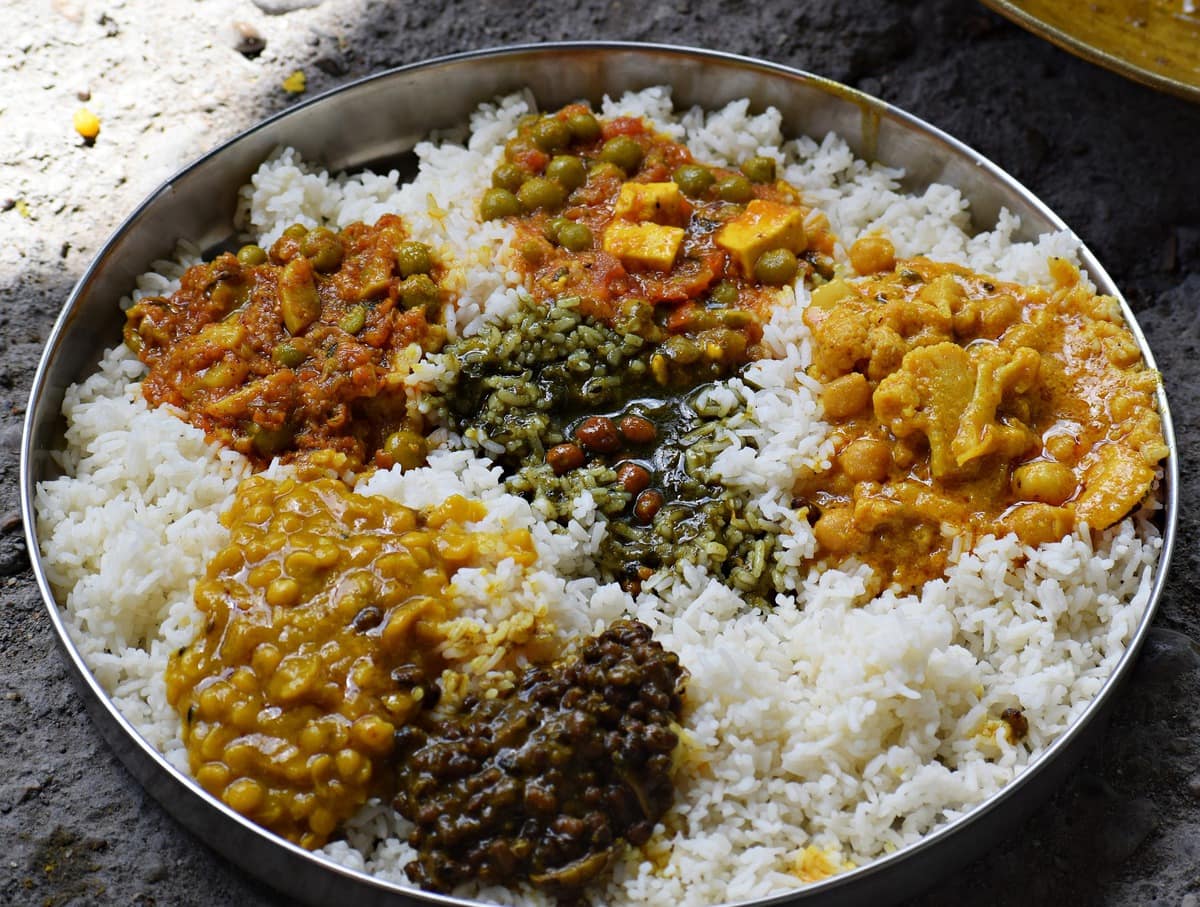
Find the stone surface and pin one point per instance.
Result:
(1112, 158)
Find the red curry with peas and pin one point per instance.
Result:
(300, 348)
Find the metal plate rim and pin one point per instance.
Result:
(120, 729)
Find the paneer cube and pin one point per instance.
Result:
(761, 227)
(643, 245)
(659, 203)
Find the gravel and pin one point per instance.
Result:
(167, 81)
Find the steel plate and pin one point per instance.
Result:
(377, 121)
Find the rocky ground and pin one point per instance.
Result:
(170, 79)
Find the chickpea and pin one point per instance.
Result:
(562, 458)
(846, 396)
(647, 506)
(637, 429)
(1061, 446)
(599, 434)
(836, 533)
(633, 478)
(872, 254)
(866, 460)
(1045, 481)
(1038, 523)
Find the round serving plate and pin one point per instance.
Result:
(376, 122)
(1155, 42)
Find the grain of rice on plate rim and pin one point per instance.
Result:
(819, 736)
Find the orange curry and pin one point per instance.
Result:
(963, 406)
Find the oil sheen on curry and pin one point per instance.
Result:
(964, 406)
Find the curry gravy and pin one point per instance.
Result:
(962, 406)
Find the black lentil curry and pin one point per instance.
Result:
(546, 782)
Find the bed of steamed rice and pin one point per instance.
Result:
(849, 725)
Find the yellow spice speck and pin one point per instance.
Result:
(296, 83)
(86, 123)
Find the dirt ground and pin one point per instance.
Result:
(172, 78)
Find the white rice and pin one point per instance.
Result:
(833, 725)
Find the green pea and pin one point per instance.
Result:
(735, 189)
(251, 255)
(413, 258)
(605, 170)
(693, 179)
(540, 192)
(287, 354)
(776, 267)
(682, 350)
(269, 441)
(406, 448)
(419, 291)
(568, 170)
(759, 169)
(634, 312)
(725, 293)
(498, 203)
(574, 237)
(737, 318)
(323, 248)
(550, 134)
(354, 320)
(296, 231)
(553, 226)
(509, 176)
(584, 127)
(622, 151)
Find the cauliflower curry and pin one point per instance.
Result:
(964, 406)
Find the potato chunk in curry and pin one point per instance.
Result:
(964, 406)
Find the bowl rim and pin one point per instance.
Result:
(141, 748)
